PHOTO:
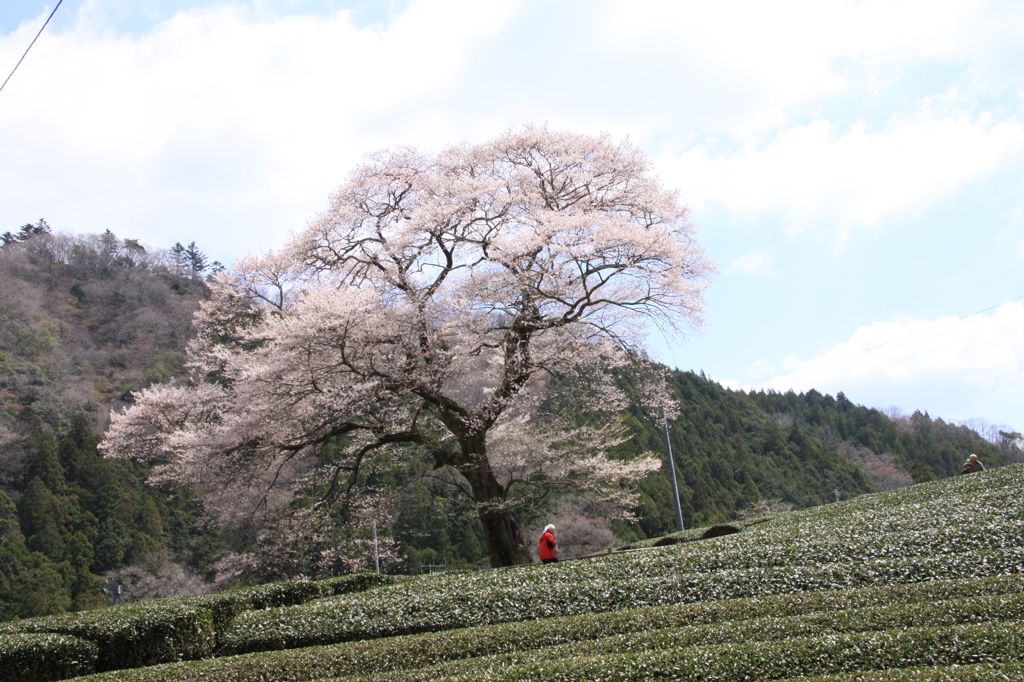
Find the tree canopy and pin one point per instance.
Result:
(426, 308)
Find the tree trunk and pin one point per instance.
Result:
(506, 545)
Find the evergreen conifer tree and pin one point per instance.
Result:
(46, 465)
(178, 258)
(43, 521)
(195, 259)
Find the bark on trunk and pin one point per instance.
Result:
(506, 545)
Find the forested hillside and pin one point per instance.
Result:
(85, 320)
(886, 445)
(731, 454)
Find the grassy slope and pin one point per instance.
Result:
(884, 582)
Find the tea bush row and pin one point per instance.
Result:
(825, 626)
(534, 593)
(226, 605)
(969, 525)
(982, 672)
(30, 658)
(135, 635)
(159, 631)
(978, 515)
(830, 549)
(691, 624)
(830, 653)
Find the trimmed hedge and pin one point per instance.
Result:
(970, 526)
(967, 526)
(718, 531)
(360, 582)
(290, 593)
(982, 672)
(688, 535)
(135, 634)
(166, 630)
(822, 654)
(44, 657)
(693, 624)
(531, 593)
(287, 593)
(226, 606)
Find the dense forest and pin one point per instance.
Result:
(85, 320)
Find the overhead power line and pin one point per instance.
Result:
(885, 347)
(32, 43)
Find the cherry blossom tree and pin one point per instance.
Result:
(426, 311)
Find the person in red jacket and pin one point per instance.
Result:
(548, 546)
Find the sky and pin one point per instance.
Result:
(855, 169)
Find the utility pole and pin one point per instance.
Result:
(672, 468)
(376, 552)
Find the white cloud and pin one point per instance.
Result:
(957, 367)
(760, 369)
(235, 121)
(216, 112)
(788, 53)
(761, 66)
(814, 172)
(731, 384)
(750, 263)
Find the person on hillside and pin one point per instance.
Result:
(972, 464)
(548, 546)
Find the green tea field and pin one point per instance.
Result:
(921, 583)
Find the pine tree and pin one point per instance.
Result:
(43, 521)
(28, 230)
(47, 465)
(178, 257)
(196, 260)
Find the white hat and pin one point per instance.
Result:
(548, 527)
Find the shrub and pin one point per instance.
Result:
(668, 541)
(285, 593)
(223, 607)
(359, 582)
(161, 631)
(772, 660)
(44, 657)
(719, 530)
(135, 634)
(981, 672)
(966, 526)
(682, 536)
(467, 600)
(688, 625)
(292, 592)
